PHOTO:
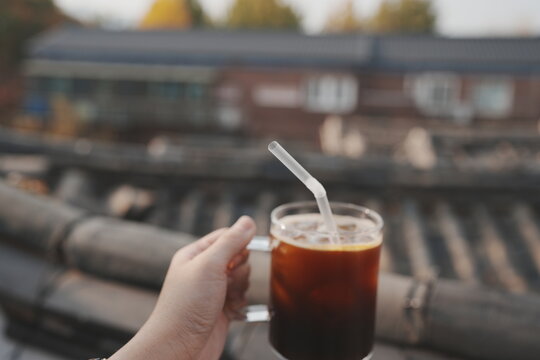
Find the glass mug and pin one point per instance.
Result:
(322, 293)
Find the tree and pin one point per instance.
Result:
(198, 16)
(175, 14)
(259, 14)
(344, 20)
(404, 16)
(167, 14)
(19, 21)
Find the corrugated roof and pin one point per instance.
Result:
(473, 233)
(200, 47)
(478, 54)
(215, 48)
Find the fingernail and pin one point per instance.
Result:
(244, 224)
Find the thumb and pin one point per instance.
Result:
(231, 242)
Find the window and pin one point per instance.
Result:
(37, 85)
(83, 87)
(167, 90)
(195, 91)
(59, 85)
(104, 89)
(130, 88)
(435, 94)
(174, 90)
(493, 98)
(331, 94)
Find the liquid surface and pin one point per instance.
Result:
(309, 230)
(323, 295)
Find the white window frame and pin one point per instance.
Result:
(421, 88)
(331, 93)
(493, 113)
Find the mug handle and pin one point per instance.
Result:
(257, 313)
(260, 243)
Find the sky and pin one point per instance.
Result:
(455, 17)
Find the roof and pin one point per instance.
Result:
(470, 233)
(200, 47)
(257, 48)
(461, 54)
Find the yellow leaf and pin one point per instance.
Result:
(167, 14)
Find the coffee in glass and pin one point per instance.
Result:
(323, 293)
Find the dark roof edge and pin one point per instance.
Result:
(269, 32)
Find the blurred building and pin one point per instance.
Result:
(461, 210)
(278, 83)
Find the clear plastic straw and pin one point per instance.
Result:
(311, 183)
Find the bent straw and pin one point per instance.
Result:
(311, 183)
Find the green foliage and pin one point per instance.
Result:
(404, 16)
(262, 14)
(19, 21)
(198, 17)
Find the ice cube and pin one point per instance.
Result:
(300, 238)
(323, 240)
(347, 226)
(306, 225)
(319, 239)
(322, 228)
(364, 224)
(287, 233)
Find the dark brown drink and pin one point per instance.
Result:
(322, 295)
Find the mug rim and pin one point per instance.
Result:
(372, 214)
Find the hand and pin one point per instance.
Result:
(204, 289)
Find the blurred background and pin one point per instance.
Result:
(159, 112)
